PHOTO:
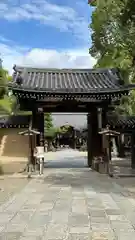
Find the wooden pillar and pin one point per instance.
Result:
(104, 117)
(34, 118)
(100, 118)
(104, 138)
(34, 138)
(133, 150)
(40, 127)
(121, 146)
(35, 123)
(89, 140)
(74, 138)
(38, 124)
(117, 145)
(94, 142)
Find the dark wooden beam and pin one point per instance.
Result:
(104, 116)
(121, 152)
(63, 106)
(89, 141)
(133, 150)
(34, 117)
(40, 127)
(94, 142)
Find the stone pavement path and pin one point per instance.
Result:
(69, 203)
(9, 187)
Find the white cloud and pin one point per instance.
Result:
(37, 57)
(24, 56)
(62, 17)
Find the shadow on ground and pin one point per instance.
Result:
(72, 170)
(68, 162)
(85, 178)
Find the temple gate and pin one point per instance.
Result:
(69, 90)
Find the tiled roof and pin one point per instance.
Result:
(122, 122)
(125, 123)
(68, 80)
(21, 121)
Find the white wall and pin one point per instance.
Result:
(76, 120)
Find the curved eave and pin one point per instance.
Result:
(121, 89)
(130, 87)
(124, 129)
(122, 123)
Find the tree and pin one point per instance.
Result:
(65, 129)
(128, 16)
(48, 121)
(113, 45)
(49, 129)
(3, 81)
(7, 103)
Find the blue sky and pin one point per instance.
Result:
(45, 33)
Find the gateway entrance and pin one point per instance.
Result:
(69, 90)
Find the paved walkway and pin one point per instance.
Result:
(69, 203)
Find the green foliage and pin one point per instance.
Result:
(128, 16)
(3, 81)
(51, 133)
(108, 42)
(113, 40)
(9, 78)
(49, 128)
(7, 103)
(48, 121)
(92, 3)
(65, 128)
